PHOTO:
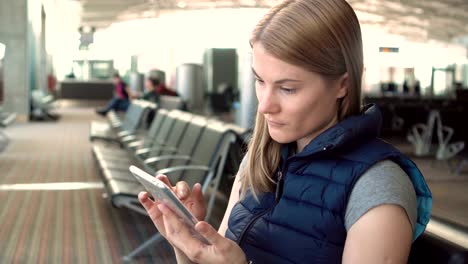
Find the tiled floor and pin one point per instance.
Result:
(52, 208)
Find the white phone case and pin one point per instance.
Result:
(163, 194)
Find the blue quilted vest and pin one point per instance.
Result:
(303, 221)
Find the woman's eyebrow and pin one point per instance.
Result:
(255, 73)
(278, 81)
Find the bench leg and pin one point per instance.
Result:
(154, 239)
(217, 179)
(4, 141)
(459, 168)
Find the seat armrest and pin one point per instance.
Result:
(182, 168)
(142, 151)
(8, 120)
(129, 138)
(153, 160)
(124, 133)
(148, 150)
(135, 144)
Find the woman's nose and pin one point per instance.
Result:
(267, 103)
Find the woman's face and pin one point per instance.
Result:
(297, 104)
(148, 85)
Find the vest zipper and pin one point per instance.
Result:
(278, 192)
(249, 225)
(279, 186)
(280, 181)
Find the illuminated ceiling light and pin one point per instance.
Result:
(86, 29)
(182, 4)
(2, 51)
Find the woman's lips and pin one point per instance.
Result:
(274, 123)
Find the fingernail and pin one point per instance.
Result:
(201, 228)
(182, 193)
(162, 208)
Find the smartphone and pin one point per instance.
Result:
(163, 194)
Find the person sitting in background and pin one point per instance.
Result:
(150, 90)
(121, 100)
(155, 88)
(162, 89)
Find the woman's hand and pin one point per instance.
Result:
(186, 246)
(221, 250)
(192, 199)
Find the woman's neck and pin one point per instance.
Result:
(303, 142)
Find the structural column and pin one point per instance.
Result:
(13, 33)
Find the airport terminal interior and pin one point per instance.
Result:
(66, 142)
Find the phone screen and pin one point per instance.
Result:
(163, 194)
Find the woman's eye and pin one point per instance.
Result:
(259, 81)
(288, 90)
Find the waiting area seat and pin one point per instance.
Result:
(181, 145)
(6, 119)
(115, 128)
(42, 106)
(171, 102)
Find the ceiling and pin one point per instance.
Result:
(422, 20)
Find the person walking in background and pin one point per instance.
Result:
(121, 99)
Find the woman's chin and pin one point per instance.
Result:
(282, 139)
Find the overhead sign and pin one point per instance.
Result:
(86, 36)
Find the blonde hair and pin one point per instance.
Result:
(321, 36)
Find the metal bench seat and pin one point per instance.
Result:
(181, 141)
(6, 119)
(204, 165)
(114, 130)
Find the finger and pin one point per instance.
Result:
(197, 193)
(150, 207)
(174, 226)
(210, 233)
(182, 190)
(145, 201)
(178, 233)
(164, 179)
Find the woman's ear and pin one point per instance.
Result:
(343, 86)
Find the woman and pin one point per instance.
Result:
(317, 185)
